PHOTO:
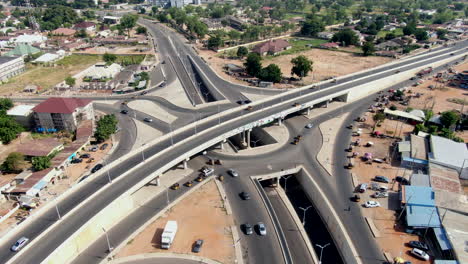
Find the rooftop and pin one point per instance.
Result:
(271, 46)
(420, 180)
(39, 147)
(448, 153)
(22, 49)
(456, 226)
(64, 31)
(31, 181)
(4, 59)
(419, 195)
(419, 147)
(20, 110)
(402, 114)
(61, 105)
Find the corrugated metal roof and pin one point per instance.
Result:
(420, 180)
(448, 152)
(20, 110)
(61, 105)
(422, 216)
(419, 195)
(404, 146)
(442, 239)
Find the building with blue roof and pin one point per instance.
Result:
(420, 207)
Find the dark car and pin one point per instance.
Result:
(402, 180)
(197, 246)
(248, 229)
(85, 156)
(96, 168)
(144, 92)
(104, 146)
(245, 196)
(77, 160)
(417, 244)
(124, 112)
(381, 179)
(240, 102)
(247, 101)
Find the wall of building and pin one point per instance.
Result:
(11, 68)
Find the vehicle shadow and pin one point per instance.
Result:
(156, 240)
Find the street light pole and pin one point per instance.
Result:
(58, 213)
(108, 242)
(303, 216)
(321, 251)
(286, 181)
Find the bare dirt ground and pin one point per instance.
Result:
(327, 63)
(138, 49)
(209, 222)
(392, 238)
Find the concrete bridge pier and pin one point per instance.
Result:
(248, 137)
(279, 121)
(184, 163)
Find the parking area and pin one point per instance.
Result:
(208, 222)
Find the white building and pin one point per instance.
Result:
(22, 114)
(101, 71)
(450, 154)
(29, 39)
(10, 66)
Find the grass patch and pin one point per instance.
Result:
(398, 32)
(48, 77)
(299, 45)
(130, 59)
(457, 101)
(35, 135)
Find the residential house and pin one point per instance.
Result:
(101, 71)
(33, 39)
(40, 147)
(55, 114)
(10, 66)
(111, 20)
(414, 153)
(63, 32)
(23, 50)
(449, 154)
(329, 45)
(325, 35)
(86, 26)
(235, 22)
(212, 23)
(271, 47)
(22, 114)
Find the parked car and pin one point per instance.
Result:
(402, 180)
(85, 156)
(310, 125)
(144, 92)
(104, 146)
(261, 228)
(96, 168)
(77, 160)
(381, 179)
(188, 184)
(419, 245)
(124, 112)
(93, 148)
(197, 246)
(245, 195)
(19, 244)
(372, 204)
(233, 173)
(380, 195)
(419, 254)
(175, 186)
(363, 187)
(147, 119)
(248, 230)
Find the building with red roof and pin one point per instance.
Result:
(64, 32)
(271, 47)
(85, 25)
(329, 45)
(57, 113)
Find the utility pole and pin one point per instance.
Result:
(109, 248)
(304, 210)
(286, 181)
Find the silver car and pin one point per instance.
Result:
(233, 173)
(261, 228)
(19, 244)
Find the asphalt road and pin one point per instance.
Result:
(79, 217)
(159, 260)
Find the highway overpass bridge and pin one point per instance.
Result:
(98, 202)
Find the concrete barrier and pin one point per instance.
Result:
(330, 217)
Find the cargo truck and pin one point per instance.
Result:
(168, 235)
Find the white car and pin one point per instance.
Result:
(19, 244)
(309, 125)
(420, 254)
(233, 173)
(261, 228)
(147, 119)
(372, 204)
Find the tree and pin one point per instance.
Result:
(13, 162)
(109, 58)
(41, 163)
(128, 22)
(409, 29)
(215, 42)
(70, 81)
(9, 129)
(106, 126)
(368, 48)
(271, 73)
(242, 52)
(449, 118)
(379, 117)
(421, 34)
(253, 64)
(312, 26)
(441, 33)
(5, 104)
(346, 37)
(81, 34)
(141, 30)
(301, 66)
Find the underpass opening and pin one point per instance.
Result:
(258, 138)
(315, 227)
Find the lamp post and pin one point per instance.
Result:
(286, 181)
(255, 142)
(109, 248)
(321, 251)
(304, 210)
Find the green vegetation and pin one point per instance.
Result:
(368, 48)
(242, 52)
(299, 45)
(9, 128)
(398, 32)
(271, 73)
(41, 163)
(301, 66)
(346, 37)
(126, 60)
(109, 58)
(106, 126)
(458, 101)
(127, 23)
(253, 64)
(70, 81)
(13, 163)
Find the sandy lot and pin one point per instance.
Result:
(209, 222)
(392, 236)
(138, 49)
(326, 64)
